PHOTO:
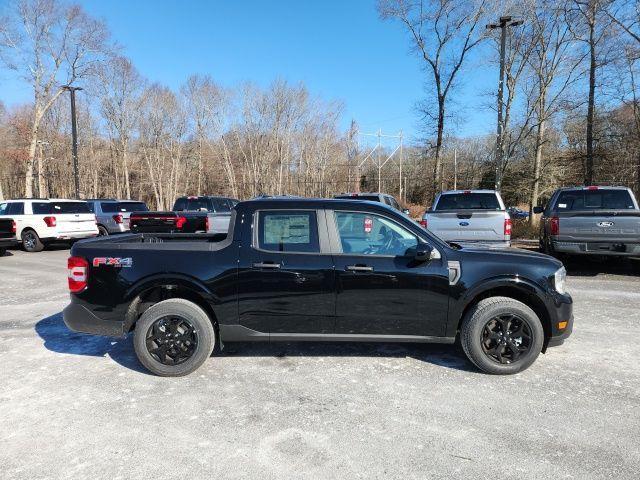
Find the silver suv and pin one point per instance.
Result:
(112, 216)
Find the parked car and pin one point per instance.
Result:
(40, 221)
(384, 198)
(469, 216)
(591, 221)
(7, 235)
(205, 214)
(316, 269)
(113, 215)
(516, 213)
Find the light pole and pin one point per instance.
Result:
(74, 137)
(502, 24)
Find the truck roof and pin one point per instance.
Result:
(593, 187)
(280, 202)
(452, 192)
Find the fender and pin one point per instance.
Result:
(460, 303)
(175, 279)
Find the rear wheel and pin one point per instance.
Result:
(31, 242)
(102, 231)
(174, 337)
(501, 335)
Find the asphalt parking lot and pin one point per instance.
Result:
(76, 406)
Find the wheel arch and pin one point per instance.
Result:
(518, 289)
(154, 290)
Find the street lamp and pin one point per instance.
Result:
(74, 137)
(502, 24)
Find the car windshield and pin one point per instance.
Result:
(468, 201)
(594, 200)
(133, 207)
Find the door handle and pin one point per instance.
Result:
(266, 265)
(359, 268)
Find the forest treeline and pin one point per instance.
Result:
(571, 111)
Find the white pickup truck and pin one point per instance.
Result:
(469, 216)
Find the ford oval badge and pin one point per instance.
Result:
(464, 224)
(605, 224)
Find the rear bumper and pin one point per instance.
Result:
(62, 236)
(80, 319)
(8, 242)
(610, 248)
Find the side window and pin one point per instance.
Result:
(368, 234)
(395, 204)
(91, 207)
(288, 231)
(41, 208)
(15, 208)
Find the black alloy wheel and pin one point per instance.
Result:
(505, 338)
(171, 340)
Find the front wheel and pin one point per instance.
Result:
(501, 336)
(174, 337)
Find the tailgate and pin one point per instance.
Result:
(152, 222)
(6, 228)
(75, 222)
(589, 226)
(468, 225)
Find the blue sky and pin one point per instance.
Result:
(339, 49)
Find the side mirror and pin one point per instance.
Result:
(405, 211)
(424, 252)
(538, 209)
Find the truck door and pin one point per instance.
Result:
(381, 288)
(286, 277)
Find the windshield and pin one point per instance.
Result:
(468, 201)
(133, 207)
(594, 200)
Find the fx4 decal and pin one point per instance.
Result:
(113, 262)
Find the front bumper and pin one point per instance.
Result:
(80, 319)
(617, 249)
(562, 312)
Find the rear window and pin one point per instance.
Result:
(594, 200)
(70, 207)
(133, 207)
(468, 201)
(109, 207)
(221, 204)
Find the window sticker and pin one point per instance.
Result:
(562, 205)
(286, 229)
(368, 225)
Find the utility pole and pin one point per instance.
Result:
(74, 137)
(502, 24)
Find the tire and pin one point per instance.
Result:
(150, 351)
(492, 313)
(102, 231)
(31, 242)
(3, 251)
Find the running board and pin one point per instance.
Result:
(239, 333)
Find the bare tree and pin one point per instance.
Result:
(49, 44)
(442, 32)
(626, 14)
(120, 87)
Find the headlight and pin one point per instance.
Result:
(559, 280)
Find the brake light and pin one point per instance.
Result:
(555, 225)
(117, 218)
(423, 222)
(467, 192)
(206, 224)
(78, 274)
(180, 221)
(50, 221)
(14, 228)
(592, 187)
(507, 226)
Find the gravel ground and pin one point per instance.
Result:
(76, 406)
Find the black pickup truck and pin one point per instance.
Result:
(316, 269)
(205, 214)
(7, 235)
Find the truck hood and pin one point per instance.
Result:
(511, 255)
